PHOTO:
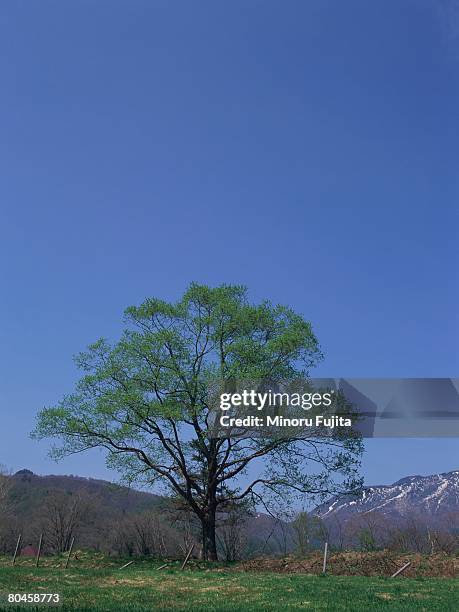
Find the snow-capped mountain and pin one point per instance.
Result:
(433, 496)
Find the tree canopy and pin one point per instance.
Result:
(144, 399)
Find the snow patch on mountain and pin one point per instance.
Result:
(431, 495)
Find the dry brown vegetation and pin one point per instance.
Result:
(356, 563)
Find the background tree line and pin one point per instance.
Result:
(167, 530)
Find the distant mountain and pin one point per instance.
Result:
(29, 490)
(432, 496)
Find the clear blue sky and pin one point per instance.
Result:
(307, 149)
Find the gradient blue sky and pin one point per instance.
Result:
(306, 149)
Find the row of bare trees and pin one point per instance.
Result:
(5, 509)
(61, 516)
(369, 531)
(411, 533)
(169, 531)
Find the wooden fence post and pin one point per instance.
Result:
(187, 557)
(39, 550)
(324, 568)
(17, 548)
(70, 552)
(402, 569)
(126, 565)
(162, 566)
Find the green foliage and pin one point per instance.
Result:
(145, 399)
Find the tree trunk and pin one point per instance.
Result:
(209, 544)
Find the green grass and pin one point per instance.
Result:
(142, 587)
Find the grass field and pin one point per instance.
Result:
(141, 587)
